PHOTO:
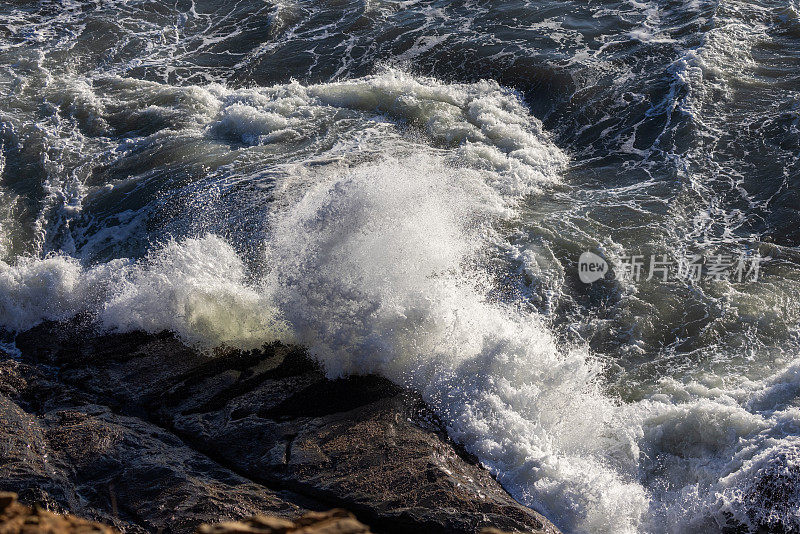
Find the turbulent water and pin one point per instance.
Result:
(405, 187)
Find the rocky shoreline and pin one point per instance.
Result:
(143, 433)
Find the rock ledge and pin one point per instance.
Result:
(143, 433)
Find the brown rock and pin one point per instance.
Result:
(332, 522)
(255, 525)
(18, 519)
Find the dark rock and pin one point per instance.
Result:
(62, 449)
(180, 434)
(7, 499)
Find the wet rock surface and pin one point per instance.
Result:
(143, 433)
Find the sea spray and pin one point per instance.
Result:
(195, 288)
(372, 269)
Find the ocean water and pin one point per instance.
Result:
(406, 187)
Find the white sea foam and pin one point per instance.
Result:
(195, 288)
(54, 288)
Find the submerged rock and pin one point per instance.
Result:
(141, 432)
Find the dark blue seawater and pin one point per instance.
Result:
(406, 187)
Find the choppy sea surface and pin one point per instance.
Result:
(405, 187)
